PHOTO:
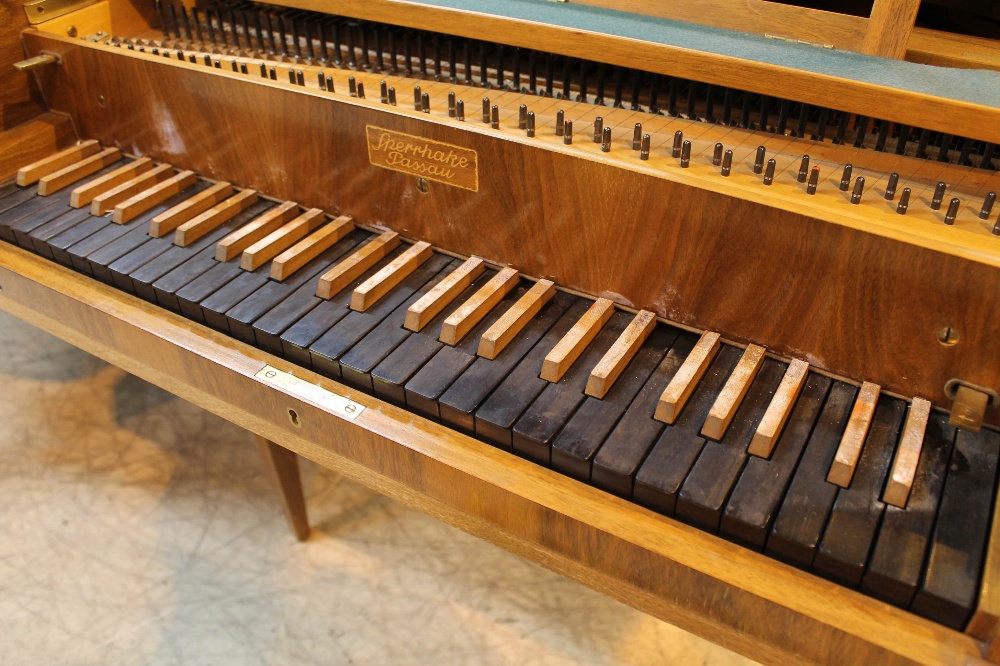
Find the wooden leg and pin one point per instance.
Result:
(283, 468)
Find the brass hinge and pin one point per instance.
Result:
(40, 11)
(793, 40)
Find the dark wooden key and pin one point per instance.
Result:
(757, 495)
(950, 587)
(100, 259)
(357, 364)
(40, 236)
(590, 425)
(534, 431)
(495, 418)
(392, 372)
(802, 517)
(856, 513)
(711, 479)
(58, 245)
(459, 403)
(423, 390)
(658, 478)
(145, 276)
(636, 429)
(297, 338)
(30, 209)
(16, 193)
(242, 316)
(327, 351)
(898, 560)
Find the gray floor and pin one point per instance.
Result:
(138, 529)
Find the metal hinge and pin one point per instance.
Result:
(793, 40)
(40, 11)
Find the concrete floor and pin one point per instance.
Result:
(139, 529)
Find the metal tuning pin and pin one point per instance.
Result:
(685, 154)
(218, 65)
(495, 117)
(845, 178)
(352, 88)
(606, 140)
(637, 137)
(560, 122)
(272, 72)
(644, 147)
(329, 84)
(425, 102)
(859, 189)
(383, 92)
(598, 129)
(236, 68)
(803, 169)
(208, 61)
(451, 104)
(486, 109)
(530, 123)
(678, 141)
(460, 110)
(769, 171)
(263, 68)
(291, 76)
(758, 162)
(890, 188)
(300, 77)
(361, 90)
(321, 80)
(938, 195)
(727, 163)
(522, 117)
(984, 213)
(949, 217)
(417, 106)
(717, 155)
(568, 132)
(904, 201)
(813, 180)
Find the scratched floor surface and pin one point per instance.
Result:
(139, 529)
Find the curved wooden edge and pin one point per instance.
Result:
(731, 595)
(911, 108)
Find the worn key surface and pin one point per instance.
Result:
(587, 429)
(856, 513)
(459, 403)
(708, 484)
(804, 510)
(758, 492)
(949, 590)
(426, 386)
(495, 418)
(357, 364)
(636, 430)
(898, 559)
(29, 207)
(392, 372)
(658, 479)
(538, 426)
(40, 236)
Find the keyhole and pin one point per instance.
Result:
(947, 336)
(293, 416)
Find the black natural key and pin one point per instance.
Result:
(850, 532)
(389, 375)
(295, 340)
(423, 390)
(59, 243)
(357, 364)
(708, 484)
(202, 250)
(541, 422)
(802, 517)
(346, 333)
(165, 288)
(38, 208)
(41, 235)
(16, 198)
(951, 583)
(755, 499)
(100, 259)
(898, 559)
(658, 480)
(590, 425)
(636, 430)
(495, 418)
(9, 188)
(458, 404)
(22, 228)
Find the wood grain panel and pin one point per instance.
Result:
(33, 140)
(835, 295)
(734, 596)
(20, 98)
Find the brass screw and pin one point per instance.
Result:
(71, 31)
(101, 101)
(947, 336)
(423, 185)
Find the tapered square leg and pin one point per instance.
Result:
(283, 468)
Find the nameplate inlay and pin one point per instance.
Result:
(310, 392)
(425, 158)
